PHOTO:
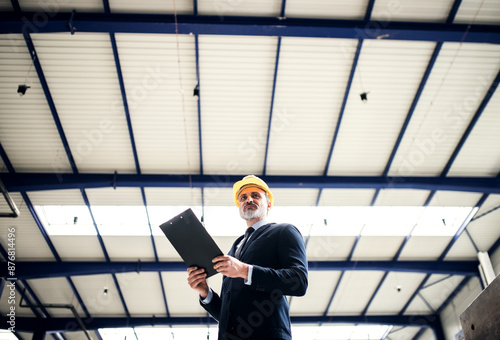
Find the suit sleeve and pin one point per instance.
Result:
(214, 306)
(291, 277)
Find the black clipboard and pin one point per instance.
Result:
(192, 241)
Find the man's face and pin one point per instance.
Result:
(253, 203)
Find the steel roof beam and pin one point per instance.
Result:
(58, 181)
(62, 324)
(50, 269)
(40, 22)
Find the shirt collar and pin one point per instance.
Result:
(259, 224)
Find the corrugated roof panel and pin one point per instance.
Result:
(319, 290)
(141, 301)
(354, 291)
(181, 299)
(310, 86)
(485, 230)
(54, 6)
(474, 158)
(455, 199)
(29, 242)
(377, 248)
(55, 291)
(80, 248)
(479, 12)
(118, 196)
(56, 197)
(346, 197)
(129, 248)
(326, 9)
(462, 249)
(408, 10)
(401, 197)
(292, 197)
(173, 196)
(439, 287)
(29, 135)
(217, 196)
(152, 6)
(159, 72)
(91, 289)
(329, 248)
(396, 290)
(458, 82)
(81, 74)
(222, 8)
(424, 247)
(236, 85)
(389, 72)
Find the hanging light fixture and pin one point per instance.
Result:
(21, 89)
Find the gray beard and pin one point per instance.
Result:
(260, 212)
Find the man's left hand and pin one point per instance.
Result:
(231, 267)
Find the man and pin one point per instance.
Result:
(259, 270)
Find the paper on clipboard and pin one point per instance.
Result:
(192, 241)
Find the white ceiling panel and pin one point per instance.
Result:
(310, 85)
(474, 157)
(129, 248)
(402, 197)
(354, 292)
(235, 87)
(438, 288)
(424, 248)
(112, 196)
(370, 128)
(59, 197)
(408, 10)
(462, 249)
(81, 75)
(287, 197)
(485, 230)
(141, 301)
(377, 248)
(181, 299)
(345, 197)
(56, 291)
(320, 289)
(394, 292)
(55, 6)
(92, 290)
(326, 9)
(455, 199)
(478, 12)
(152, 6)
(265, 8)
(218, 196)
(78, 248)
(159, 72)
(29, 243)
(459, 80)
(29, 135)
(329, 248)
(173, 196)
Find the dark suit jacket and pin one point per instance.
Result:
(260, 311)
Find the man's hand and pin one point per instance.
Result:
(197, 279)
(230, 267)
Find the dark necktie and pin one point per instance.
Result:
(244, 242)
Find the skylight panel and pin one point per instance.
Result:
(225, 220)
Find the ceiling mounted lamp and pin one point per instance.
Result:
(364, 96)
(21, 90)
(196, 92)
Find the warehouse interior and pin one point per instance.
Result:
(374, 122)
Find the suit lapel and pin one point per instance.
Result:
(255, 235)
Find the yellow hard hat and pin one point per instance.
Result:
(251, 181)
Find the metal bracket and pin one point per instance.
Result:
(71, 25)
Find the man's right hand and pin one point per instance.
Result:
(197, 279)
